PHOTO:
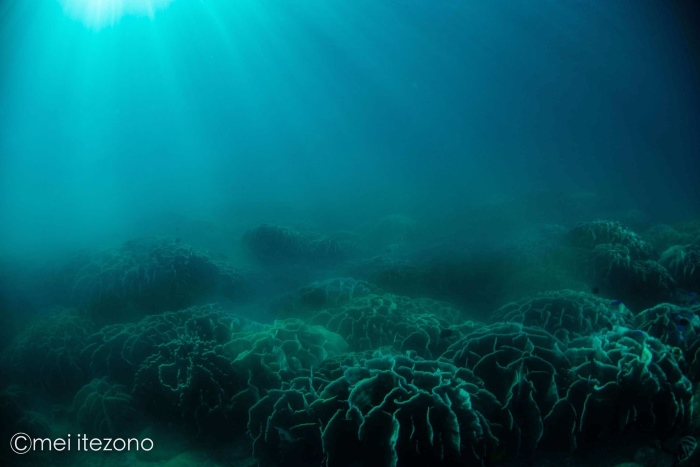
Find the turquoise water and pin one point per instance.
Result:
(284, 196)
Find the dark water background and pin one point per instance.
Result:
(348, 110)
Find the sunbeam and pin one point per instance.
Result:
(98, 14)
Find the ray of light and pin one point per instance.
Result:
(98, 14)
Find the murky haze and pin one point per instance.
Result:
(351, 232)
(224, 110)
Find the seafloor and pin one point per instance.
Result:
(501, 339)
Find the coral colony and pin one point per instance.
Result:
(352, 371)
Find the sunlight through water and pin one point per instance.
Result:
(98, 14)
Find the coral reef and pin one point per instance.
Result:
(144, 276)
(350, 372)
(474, 282)
(201, 367)
(678, 327)
(189, 382)
(46, 355)
(566, 314)
(118, 350)
(274, 245)
(664, 236)
(105, 409)
(582, 391)
(671, 324)
(497, 395)
(328, 293)
(639, 284)
(380, 411)
(635, 381)
(16, 418)
(683, 262)
(416, 325)
(589, 235)
(617, 261)
(477, 279)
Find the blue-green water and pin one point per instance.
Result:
(388, 232)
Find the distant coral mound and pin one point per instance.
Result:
(144, 276)
(567, 314)
(118, 350)
(664, 236)
(104, 409)
(275, 245)
(478, 279)
(319, 295)
(418, 326)
(619, 262)
(46, 356)
(588, 235)
(683, 262)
